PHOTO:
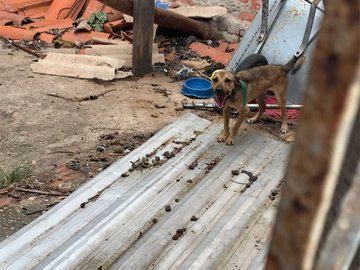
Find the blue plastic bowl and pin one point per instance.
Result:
(197, 88)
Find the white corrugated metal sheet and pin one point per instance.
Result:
(126, 225)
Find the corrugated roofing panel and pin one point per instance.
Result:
(124, 224)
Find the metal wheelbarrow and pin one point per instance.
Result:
(282, 30)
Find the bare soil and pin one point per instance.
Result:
(48, 132)
(66, 143)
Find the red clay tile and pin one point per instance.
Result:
(75, 11)
(116, 25)
(36, 9)
(60, 169)
(95, 6)
(50, 23)
(71, 36)
(61, 24)
(113, 15)
(5, 22)
(15, 5)
(247, 16)
(256, 5)
(46, 38)
(13, 17)
(92, 6)
(216, 54)
(17, 33)
(61, 9)
(6, 200)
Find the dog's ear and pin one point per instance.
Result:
(214, 74)
(237, 80)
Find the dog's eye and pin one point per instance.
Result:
(227, 80)
(215, 80)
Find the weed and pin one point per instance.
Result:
(15, 176)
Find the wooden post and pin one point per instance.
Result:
(143, 36)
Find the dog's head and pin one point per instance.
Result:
(223, 84)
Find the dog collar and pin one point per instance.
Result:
(243, 92)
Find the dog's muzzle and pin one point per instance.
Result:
(218, 91)
(220, 97)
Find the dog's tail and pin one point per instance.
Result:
(294, 64)
(290, 64)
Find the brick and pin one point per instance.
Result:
(5, 200)
(255, 5)
(216, 54)
(247, 16)
(60, 169)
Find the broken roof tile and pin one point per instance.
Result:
(95, 6)
(75, 11)
(13, 17)
(17, 33)
(35, 10)
(47, 23)
(15, 5)
(5, 22)
(218, 55)
(61, 9)
(92, 7)
(46, 38)
(61, 24)
(71, 36)
(109, 27)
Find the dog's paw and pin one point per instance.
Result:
(230, 140)
(222, 137)
(251, 120)
(284, 129)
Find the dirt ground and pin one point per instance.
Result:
(63, 143)
(47, 132)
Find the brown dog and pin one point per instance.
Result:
(229, 93)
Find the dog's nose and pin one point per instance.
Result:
(218, 90)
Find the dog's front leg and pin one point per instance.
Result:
(225, 133)
(231, 139)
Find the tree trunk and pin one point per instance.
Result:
(319, 168)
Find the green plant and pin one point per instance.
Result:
(15, 176)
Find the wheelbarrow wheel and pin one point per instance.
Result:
(253, 60)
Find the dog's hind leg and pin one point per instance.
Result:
(226, 132)
(262, 106)
(281, 99)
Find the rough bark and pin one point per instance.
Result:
(318, 158)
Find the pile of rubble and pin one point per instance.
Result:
(100, 39)
(70, 21)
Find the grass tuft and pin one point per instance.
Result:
(15, 176)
